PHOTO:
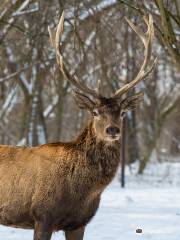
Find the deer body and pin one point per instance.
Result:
(58, 186)
(60, 182)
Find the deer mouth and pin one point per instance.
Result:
(113, 137)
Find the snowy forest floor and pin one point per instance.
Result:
(150, 202)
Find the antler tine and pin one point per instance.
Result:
(55, 41)
(145, 70)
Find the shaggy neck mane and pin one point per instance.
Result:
(101, 155)
(87, 136)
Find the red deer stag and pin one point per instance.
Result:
(58, 186)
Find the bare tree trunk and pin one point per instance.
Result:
(36, 129)
(131, 132)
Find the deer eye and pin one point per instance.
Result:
(95, 113)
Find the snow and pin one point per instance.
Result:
(150, 202)
(27, 85)
(25, 4)
(49, 109)
(94, 8)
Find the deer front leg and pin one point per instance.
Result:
(75, 235)
(42, 232)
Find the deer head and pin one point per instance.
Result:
(107, 113)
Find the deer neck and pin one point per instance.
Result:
(103, 157)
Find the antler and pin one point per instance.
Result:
(145, 70)
(55, 41)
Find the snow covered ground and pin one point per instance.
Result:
(150, 202)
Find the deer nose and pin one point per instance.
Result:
(112, 130)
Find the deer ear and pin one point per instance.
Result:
(83, 101)
(131, 102)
